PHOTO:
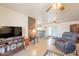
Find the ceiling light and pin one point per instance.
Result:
(59, 6)
(55, 6)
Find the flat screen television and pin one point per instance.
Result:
(10, 31)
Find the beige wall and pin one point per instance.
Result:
(10, 17)
(63, 27)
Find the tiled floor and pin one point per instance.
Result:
(40, 48)
(37, 49)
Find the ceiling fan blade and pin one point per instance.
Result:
(56, 21)
(61, 6)
(49, 7)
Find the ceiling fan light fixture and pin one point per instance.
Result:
(60, 6)
(55, 6)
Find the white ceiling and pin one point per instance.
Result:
(26, 8)
(71, 11)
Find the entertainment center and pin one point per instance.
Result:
(11, 46)
(11, 40)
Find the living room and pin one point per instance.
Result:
(50, 22)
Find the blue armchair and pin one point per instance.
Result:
(67, 43)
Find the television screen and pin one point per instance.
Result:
(8, 31)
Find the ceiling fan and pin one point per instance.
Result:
(59, 6)
(55, 21)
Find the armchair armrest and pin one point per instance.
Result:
(69, 47)
(69, 44)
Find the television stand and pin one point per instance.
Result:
(11, 46)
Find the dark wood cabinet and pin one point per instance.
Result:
(74, 28)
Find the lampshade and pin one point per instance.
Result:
(33, 31)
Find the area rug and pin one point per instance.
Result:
(53, 51)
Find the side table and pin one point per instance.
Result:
(33, 39)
